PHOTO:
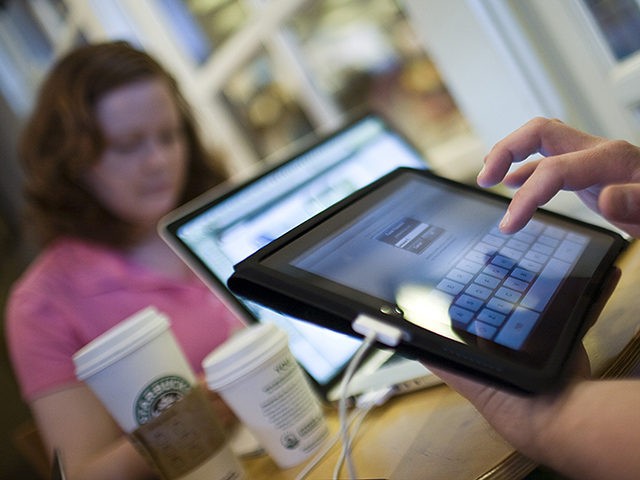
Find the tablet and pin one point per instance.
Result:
(424, 254)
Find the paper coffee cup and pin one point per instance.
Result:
(256, 374)
(142, 377)
(136, 368)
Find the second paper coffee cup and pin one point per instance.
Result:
(256, 374)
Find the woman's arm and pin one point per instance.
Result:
(91, 444)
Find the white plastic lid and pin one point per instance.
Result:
(119, 341)
(242, 354)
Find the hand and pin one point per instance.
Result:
(521, 419)
(605, 174)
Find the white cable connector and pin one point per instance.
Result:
(384, 333)
(375, 398)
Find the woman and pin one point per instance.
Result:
(109, 149)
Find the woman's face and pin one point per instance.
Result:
(141, 172)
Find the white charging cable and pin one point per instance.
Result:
(373, 330)
(357, 417)
(344, 397)
(364, 404)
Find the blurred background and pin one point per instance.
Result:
(267, 76)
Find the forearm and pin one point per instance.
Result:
(91, 445)
(119, 460)
(595, 433)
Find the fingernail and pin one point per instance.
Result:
(505, 221)
(479, 179)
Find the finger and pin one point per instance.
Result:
(540, 135)
(540, 186)
(514, 148)
(582, 171)
(517, 178)
(620, 204)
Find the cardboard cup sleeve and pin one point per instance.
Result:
(182, 437)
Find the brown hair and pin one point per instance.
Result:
(62, 139)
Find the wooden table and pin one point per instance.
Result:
(436, 434)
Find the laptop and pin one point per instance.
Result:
(233, 220)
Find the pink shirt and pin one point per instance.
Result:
(75, 291)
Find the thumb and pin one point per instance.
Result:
(620, 204)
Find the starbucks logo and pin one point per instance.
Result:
(159, 395)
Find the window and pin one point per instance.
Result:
(30, 34)
(327, 59)
(619, 23)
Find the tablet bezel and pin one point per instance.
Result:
(336, 306)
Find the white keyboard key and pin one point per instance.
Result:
(546, 285)
(569, 251)
(514, 333)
